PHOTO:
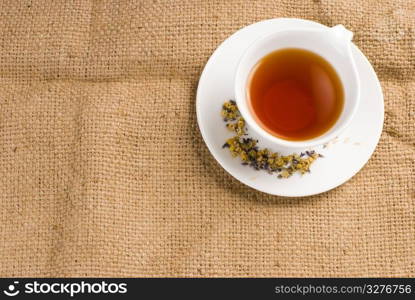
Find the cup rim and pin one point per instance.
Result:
(239, 92)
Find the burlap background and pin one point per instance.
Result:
(104, 173)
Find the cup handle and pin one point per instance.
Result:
(340, 32)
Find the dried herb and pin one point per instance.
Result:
(247, 150)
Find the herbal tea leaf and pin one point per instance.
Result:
(246, 148)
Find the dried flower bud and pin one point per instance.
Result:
(261, 159)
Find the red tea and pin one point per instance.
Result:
(295, 94)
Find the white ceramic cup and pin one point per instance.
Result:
(334, 45)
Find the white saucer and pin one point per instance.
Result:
(343, 157)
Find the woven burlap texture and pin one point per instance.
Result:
(104, 172)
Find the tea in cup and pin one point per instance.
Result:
(298, 88)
